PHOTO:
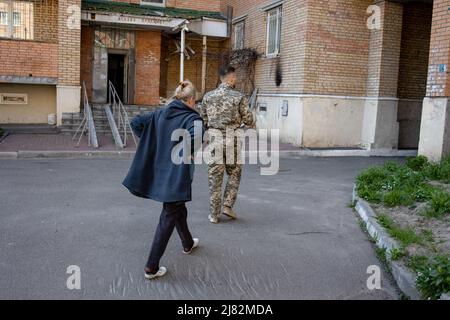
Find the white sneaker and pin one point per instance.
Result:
(161, 272)
(196, 242)
(212, 219)
(229, 213)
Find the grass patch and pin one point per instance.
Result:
(395, 185)
(439, 204)
(433, 275)
(381, 253)
(406, 236)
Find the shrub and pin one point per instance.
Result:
(439, 204)
(417, 163)
(433, 278)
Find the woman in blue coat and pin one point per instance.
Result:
(157, 173)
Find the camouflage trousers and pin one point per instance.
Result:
(216, 172)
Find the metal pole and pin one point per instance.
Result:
(204, 55)
(183, 46)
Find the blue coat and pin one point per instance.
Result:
(153, 175)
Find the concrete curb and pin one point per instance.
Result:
(115, 154)
(8, 155)
(75, 154)
(404, 278)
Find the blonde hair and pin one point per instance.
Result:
(185, 91)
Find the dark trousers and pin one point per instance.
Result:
(173, 215)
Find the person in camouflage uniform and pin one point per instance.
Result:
(225, 109)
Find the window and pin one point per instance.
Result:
(239, 32)
(273, 32)
(17, 19)
(3, 18)
(154, 2)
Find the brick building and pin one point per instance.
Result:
(336, 73)
(50, 48)
(353, 73)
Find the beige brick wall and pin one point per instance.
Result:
(324, 46)
(439, 82)
(68, 45)
(337, 47)
(292, 43)
(384, 52)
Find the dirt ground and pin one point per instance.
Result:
(410, 217)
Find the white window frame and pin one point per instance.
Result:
(277, 34)
(4, 22)
(148, 3)
(14, 22)
(242, 44)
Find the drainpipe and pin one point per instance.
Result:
(184, 28)
(204, 55)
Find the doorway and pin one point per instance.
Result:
(117, 74)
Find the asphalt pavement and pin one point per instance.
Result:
(297, 237)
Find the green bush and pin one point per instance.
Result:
(438, 171)
(1, 132)
(433, 278)
(417, 163)
(439, 204)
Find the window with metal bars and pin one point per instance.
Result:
(29, 20)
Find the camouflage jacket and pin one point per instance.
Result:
(225, 108)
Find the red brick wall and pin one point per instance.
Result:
(87, 57)
(193, 66)
(439, 82)
(206, 5)
(25, 58)
(148, 56)
(415, 48)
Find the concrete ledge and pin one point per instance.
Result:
(130, 154)
(8, 155)
(404, 278)
(75, 154)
